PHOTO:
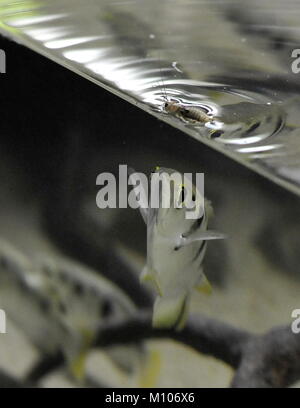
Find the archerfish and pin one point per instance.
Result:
(176, 247)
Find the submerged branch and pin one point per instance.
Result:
(205, 335)
(268, 360)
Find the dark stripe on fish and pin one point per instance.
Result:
(181, 314)
(197, 224)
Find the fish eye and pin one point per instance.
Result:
(156, 169)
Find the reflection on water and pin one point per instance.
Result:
(231, 59)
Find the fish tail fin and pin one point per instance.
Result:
(170, 312)
(151, 370)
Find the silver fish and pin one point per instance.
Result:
(175, 251)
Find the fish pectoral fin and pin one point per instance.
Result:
(204, 286)
(170, 312)
(201, 236)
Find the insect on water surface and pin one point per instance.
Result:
(187, 114)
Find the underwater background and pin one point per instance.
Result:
(59, 131)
